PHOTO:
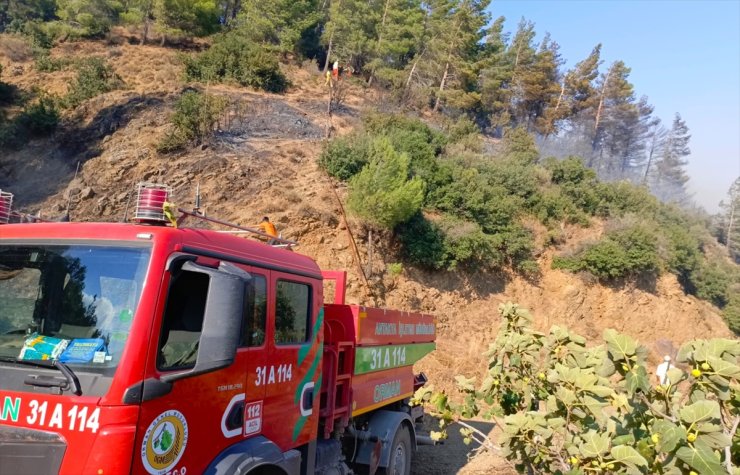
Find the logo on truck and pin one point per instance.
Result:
(164, 442)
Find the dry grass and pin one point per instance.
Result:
(15, 48)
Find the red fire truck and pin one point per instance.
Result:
(152, 348)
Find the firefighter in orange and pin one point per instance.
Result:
(268, 228)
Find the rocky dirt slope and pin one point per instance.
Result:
(264, 162)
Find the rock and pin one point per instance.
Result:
(87, 193)
(339, 246)
(71, 191)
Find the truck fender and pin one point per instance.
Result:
(251, 454)
(384, 425)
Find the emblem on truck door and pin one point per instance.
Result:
(164, 442)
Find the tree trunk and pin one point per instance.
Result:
(733, 200)
(601, 100)
(441, 87)
(653, 144)
(147, 22)
(328, 52)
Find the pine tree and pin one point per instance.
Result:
(495, 78)
(278, 24)
(382, 193)
(616, 102)
(399, 34)
(186, 17)
(579, 92)
(729, 221)
(457, 28)
(349, 32)
(92, 17)
(670, 178)
(15, 12)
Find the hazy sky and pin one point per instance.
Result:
(684, 55)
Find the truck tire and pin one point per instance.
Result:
(399, 462)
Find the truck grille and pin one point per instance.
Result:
(30, 452)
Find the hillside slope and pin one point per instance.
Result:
(264, 162)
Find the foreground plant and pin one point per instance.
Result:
(571, 409)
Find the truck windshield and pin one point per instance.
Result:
(71, 303)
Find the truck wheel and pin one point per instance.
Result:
(399, 462)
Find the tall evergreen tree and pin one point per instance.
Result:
(399, 34)
(457, 28)
(350, 31)
(15, 12)
(616, 100)
(670, 178)
(729, 221)
(186, 17)
(495, 78)
(278, 24)
(580, 92)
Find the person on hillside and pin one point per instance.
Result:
(662, 371)
(268, 228)
(328, 79)
(335, 70)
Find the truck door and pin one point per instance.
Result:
(183, 425)
(292, 375)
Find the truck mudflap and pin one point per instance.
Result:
(383, 425)
(245, 456)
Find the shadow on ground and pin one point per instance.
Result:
(451, 456)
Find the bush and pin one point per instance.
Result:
(40, 118)
(520, 146)
(624, 253)
(382, 194)
(235, 58)
(712, 281)
(731, 312)
(423, 242)
(569, 408)
(36, 120)
(344, 157)
(94, 77)
(195, 115)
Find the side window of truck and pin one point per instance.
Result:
(292, 312)
(183, 321)
(255, 314)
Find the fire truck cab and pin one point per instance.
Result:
(139, 349)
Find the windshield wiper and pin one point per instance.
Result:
(71, 381)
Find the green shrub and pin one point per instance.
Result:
(624, 253)
(382, 193)
(94, 77)
(466, 244)
(712, 281)
(395, 268)
(422, 242)
(193, 120)
(40, 118)
(623, 197)
(385, 124)
(235, 58)
(520, 146)
(344, 157)
(731, 312)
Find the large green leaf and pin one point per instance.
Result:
(723, 368)
(628, 456)
(670, 435)
(620, 346)
(715, 440)
(701, 458)
(635, 380)
(699, 411)
(594, 444)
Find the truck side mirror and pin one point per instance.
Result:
(222, 319)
